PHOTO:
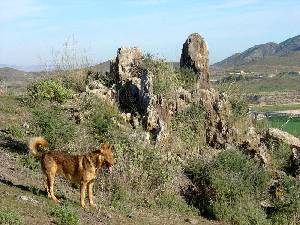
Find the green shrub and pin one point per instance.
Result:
(187, 78)
(10, 217)
(175, 202)
(16, 130)
(103, 118)
(65, 215)
(30, 162)
(52, 123)
(280, 154)
(120, 199)
(75, 79)
(239, 105)
(188, 126)
(51, 90)
(165, 80)
(230, 188)
(142, 173)
(286, 202)
(8, 104)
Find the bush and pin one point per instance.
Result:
(230, 188)
(280, 154)
(51, 90)
(65, 215)
(16, 130)
(103, 118)
(75, 79)
(52, 123)
(165, 81)
(187, 126)
(30, 162)
(187, 78)
(175, 202)
(286, 201)
(10, 217)
(142, 173)
(239, 105)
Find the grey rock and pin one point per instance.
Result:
(195, 56)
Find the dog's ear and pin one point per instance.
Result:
(102, 148)
(112, 148)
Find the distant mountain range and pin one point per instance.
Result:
(26, 68)
(283, 55)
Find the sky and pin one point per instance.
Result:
(31, 31)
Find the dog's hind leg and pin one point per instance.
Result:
(50, 179)
(47, 185)
(82, 193)
(90, 192)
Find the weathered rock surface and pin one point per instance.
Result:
(127, 65)
(105, 93)
(221, 132)
(252, 144)
(293, 142)
(219, 129)
(155, 110)
(195, 56)
(285, 137)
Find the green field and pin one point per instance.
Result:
(272, 108)
(292, 126)
(279, 83)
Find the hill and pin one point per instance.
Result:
(265, 57)
(16, 80)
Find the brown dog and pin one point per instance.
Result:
(77, 168)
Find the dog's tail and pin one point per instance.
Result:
(35, 143)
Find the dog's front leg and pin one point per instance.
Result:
(90, 192)
(82, 193)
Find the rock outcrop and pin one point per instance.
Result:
(279, 136)
(219, 129)
(133, 91)
(127, 65)
(108, 94)
(195, 56)
(221, 132)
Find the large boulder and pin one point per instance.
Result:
(195, 56)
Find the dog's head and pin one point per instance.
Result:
(106, 156)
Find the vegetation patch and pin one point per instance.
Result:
(277, 107)
(187, 126)
(165, 80)
(52, 123)
(286, 201)
(65, 215)
(51, 90)
(10, 217)
(230, 188)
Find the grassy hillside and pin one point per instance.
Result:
(183, 181)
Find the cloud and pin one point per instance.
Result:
(15, 9)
